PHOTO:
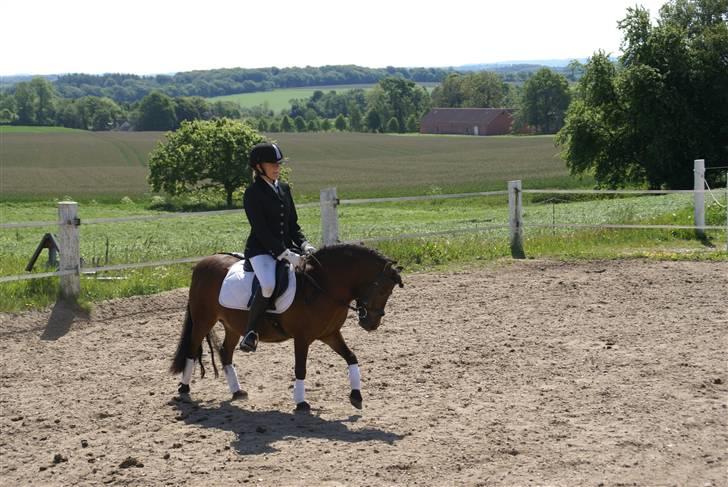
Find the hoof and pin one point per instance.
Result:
(355, 398)
(239, 395)
(303, 407)
(183, 388)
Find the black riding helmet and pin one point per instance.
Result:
(265, 152)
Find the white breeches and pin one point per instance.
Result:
(264, 267)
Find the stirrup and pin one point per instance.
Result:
(250, 342)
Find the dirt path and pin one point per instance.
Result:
(527, 373)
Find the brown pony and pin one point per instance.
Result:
(333, 277)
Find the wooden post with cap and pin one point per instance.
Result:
(515, 218)
(68, 223)
(329, 217)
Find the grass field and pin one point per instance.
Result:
(280, 99)
(139, 241)
(107, 166)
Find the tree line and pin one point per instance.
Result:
(129, 88)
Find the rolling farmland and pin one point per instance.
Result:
(84, 165)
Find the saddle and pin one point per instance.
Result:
(281, 282)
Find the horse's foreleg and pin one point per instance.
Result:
(338, 345)
(300, 347)
(232, 337)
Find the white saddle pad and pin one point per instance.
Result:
(237, 286)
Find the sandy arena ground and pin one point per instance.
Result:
(523, 373)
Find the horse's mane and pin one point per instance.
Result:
(354, 249)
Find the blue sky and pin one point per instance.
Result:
(164, 36)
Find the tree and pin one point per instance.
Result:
(313, 125)
(286, 124)
(412, 124)
(25, 101)
(156, 112)
(574, 70)
(355, 118)
(274, 126)
(300, 124)
(545, 101)
(393, 125)
(373, 121)
(8, 109)
(98, 113)
(45, 96)
(191, 108)
(449, 93)
(483, 90)
(664, 105)
(340, 123)
(401, 98)
(262, 125)
(203, 154)
(326, 125)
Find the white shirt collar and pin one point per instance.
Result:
(273, 185)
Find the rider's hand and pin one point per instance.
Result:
(308, 249)
(292, 257)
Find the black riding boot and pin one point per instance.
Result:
(256, 312)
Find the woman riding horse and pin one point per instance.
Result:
(274, 232)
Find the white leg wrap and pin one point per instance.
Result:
(355, 377)
(232, 378)
(189, 370)
(299, 391)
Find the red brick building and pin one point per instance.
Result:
(467, 121)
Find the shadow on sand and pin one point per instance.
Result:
(61, 318)
(257, 430)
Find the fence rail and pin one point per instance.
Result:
(68, 222)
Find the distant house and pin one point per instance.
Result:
(467, 121)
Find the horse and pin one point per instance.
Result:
(330, 280)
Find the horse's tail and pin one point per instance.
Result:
(180, 357)
(212, 354)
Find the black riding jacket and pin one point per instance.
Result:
(273, 219)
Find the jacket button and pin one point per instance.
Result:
(281, 223)
(281, 214)
(281, 232)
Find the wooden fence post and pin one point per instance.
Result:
(515, 218)
(68, 223)
(699, 197)
(329, 217)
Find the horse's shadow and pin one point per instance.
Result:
(257, 430)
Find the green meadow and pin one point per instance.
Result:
(278, 100)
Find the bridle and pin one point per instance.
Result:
(361, 307)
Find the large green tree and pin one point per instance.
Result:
(646, 118)
(156, 112)
(203, 154)
(545, 101)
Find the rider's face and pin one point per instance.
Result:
(271, 170)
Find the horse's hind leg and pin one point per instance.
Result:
(199, 320)
(232, 337)
(338, 345)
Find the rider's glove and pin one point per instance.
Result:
(292, 257)
(307, 248)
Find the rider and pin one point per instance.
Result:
(274, 231)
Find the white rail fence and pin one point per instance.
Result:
(70, 267)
